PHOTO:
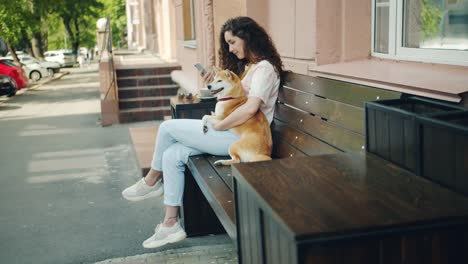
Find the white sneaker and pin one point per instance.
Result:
(165, 235)
(140, 191)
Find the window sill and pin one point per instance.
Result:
(444, 82)
(191, 44)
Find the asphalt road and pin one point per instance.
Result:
(61, 175)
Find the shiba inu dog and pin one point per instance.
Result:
(255, 141)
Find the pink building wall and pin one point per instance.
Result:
(327, 38)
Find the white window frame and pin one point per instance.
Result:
(192, 13)
(398, 52)
(191, 42)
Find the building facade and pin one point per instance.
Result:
(416, 47)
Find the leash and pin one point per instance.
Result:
(225, 99)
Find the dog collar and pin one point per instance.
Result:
(226, 99)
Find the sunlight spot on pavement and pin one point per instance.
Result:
(90, 177)
(80, 152)
(47, 132)
(86, 85)
(67, 164)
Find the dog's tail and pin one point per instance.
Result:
(260, 157)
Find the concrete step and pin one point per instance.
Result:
(145, 80)
(144, 92)
(150, 90)
(144, 114)
(142, 102)
(146, 71)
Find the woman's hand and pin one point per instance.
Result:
(215, 122)
(207, 77)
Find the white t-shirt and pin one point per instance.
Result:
(263, 82)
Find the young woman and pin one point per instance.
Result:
(247, 50)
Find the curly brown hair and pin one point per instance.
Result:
(258, 45)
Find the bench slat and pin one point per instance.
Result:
(223, 171)
(346, 115)
(281, 149)
(345, 92)
(329, 132)
(217, 193)
(303, 142)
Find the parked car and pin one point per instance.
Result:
(64, 58)
(16, 73)
(34, 71)
(52, 67)
(18, 52)
(7, 87)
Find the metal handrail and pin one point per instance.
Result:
(106, 46)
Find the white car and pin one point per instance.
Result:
(34, 71)
(64, 58)
(52, 67)
(18, 52)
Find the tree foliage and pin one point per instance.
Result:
(77, 16)
(37, 12)
(13, 20)
(115, 9)
(40, 25)
(431, 15)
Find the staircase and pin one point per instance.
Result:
(144, 92)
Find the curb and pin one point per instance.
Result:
(35, 86)
(56, 77)
(224, 253)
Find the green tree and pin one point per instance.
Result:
(431, 16)
(13, 22)
(78, 18)
(57, 37)
(115, 9)
(38, 10)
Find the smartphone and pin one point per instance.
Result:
(200, 68)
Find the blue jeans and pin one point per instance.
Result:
(177, 140)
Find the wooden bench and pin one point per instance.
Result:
(316, 116)
(313, 116)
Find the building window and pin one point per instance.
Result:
(189, 19)
(421, 30)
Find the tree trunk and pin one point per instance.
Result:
(66, 23)
(13, 53)
(76, 43)
(44, 36)
(36, 43)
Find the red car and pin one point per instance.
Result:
(15, 72)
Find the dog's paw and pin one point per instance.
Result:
(204, 124)
(219, 163)
(205, 120)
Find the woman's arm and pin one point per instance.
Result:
(240, 115)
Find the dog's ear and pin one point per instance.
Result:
(232, 75)
(228, 74)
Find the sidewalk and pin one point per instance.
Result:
(61, 177)
(218, 254)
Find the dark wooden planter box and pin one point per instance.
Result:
(393, 132)
(444, 150)
(345, 208)
(191, 108)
